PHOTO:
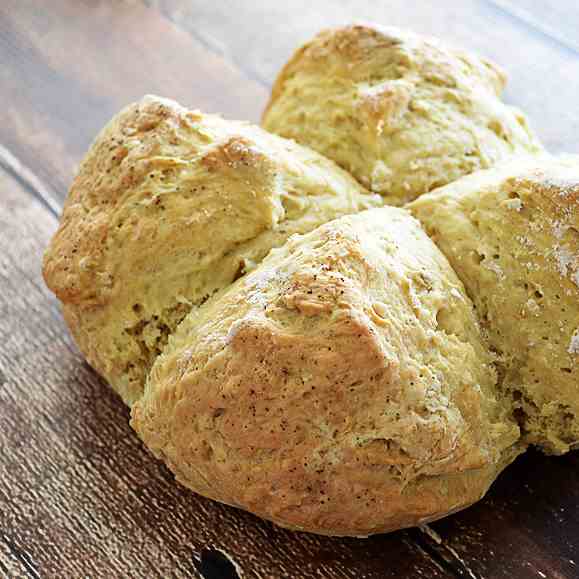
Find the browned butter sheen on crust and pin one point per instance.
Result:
(341, 387)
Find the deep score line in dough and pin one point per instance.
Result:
(290, 345)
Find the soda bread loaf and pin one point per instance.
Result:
(169, 206)
(403, 113)
(512, 235)
(289, 346)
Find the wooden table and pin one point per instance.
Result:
(79, 496)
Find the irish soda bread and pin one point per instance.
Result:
(403, 113)
(169, 206)
(293, 348)
(512, 236)
(341, 387)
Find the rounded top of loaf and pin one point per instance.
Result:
(403, 113)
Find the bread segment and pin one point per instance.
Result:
(401, 112)
(342, 387)
(512, 236)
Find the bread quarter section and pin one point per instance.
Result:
(342, 387)
(512, 236)
(402, 112)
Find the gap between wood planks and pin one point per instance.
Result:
(22, 557)
(525, 18)
(29, 181)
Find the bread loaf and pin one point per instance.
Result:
(292, 348)
(403, 113)
(169, 206)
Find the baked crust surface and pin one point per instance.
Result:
(401, 112)
(169, 206)
(342, 387)
(512, 235)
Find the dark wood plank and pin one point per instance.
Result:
(67, 69)
(527, 526)
(79, 496)
(260, 35)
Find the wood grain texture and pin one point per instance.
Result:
(67, 69)
(79, 496)
(554, 19)
(260, 35)
(527, 526)
(12, 562)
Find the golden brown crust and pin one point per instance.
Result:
(355, 44)
(169, 206)
(512, 236)
(342, 387)
(339, 383)
(402, 113)
(120, 159)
